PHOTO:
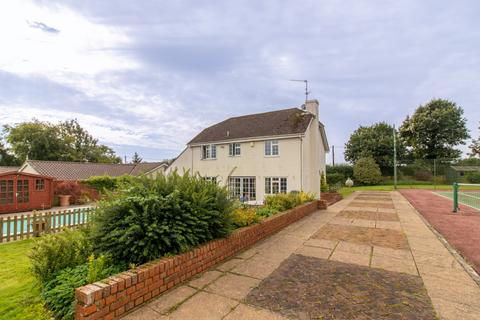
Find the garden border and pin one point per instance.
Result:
(112, 297)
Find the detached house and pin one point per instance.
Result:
(260, 154)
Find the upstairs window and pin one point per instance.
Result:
(271, 148)
(234, 149)
(209, 151)
(275, 185)
(210, 179)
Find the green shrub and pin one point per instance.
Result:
(282, 201)
(473, 177)
(59, 293)
(55, 252)
(105, 183)
(367, 172)
(149, 218)
(323, 183)
(345, 170)
(244, 216)
(335, 178)
(266, 212)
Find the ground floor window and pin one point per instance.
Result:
(275, 185)
(40, 185)
(6, 191)
(242, 188)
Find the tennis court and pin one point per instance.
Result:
(466, 194)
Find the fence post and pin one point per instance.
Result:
(455, 196)
(1, 229)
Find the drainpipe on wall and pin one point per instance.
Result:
(301, 163)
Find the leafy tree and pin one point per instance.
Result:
(366, 171)
(7, 159)
(67, 141)
(36, 140)
(475, 147)
(375, 141)
(136, 158)
(83, 146)
(435, 129)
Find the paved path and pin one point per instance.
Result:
(367, 257)
(461, 229)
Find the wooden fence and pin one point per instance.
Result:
(20, 227)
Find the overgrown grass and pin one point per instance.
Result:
(347, 191)
(19, 297)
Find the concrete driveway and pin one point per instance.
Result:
(370, 256)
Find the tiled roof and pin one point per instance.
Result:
(466, 168)
(8, 169)
(274, 123)
(62, 170)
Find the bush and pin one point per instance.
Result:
(244, 216)
(104, 184)
(423, 175)
(52, 253)
(323, 183)
(473, 177)
(335, 178)
(367, 172)
(282, 201)
(59, 293)
(345, 170)
(79, 193)
(152, 217)
(266, 211)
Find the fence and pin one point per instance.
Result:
(19, 227)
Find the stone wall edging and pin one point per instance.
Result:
(112, 297)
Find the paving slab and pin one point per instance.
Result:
(367, 258)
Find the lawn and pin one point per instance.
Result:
(19, 297)
(347, 191)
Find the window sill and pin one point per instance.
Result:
(276, 156)
(208, 159)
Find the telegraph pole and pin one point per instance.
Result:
(333, 156)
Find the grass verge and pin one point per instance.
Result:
(347, 191)
(19, 297)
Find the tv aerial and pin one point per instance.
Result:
(306, 88)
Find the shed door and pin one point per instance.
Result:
(7, 202)
(23, 193)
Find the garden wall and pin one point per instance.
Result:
(118, 294)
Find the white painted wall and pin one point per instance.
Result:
(302, 153)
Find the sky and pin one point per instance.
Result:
(147, 76)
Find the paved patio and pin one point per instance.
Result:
(370, 256)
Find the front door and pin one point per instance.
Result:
(7, 202)
(23, 194)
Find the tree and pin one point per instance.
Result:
(375, 141)
(7, 159)
(366, 171)
(136, 158)
(434, 130)
(67, 141)
(83, 146)
(475, 147)
(36, 140)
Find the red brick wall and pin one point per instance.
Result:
(331, 197)
(117, 294)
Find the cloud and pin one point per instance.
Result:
(42, 26)
(149, 75)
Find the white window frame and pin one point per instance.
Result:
(209, 152)
(234, 149)
(210, 179)
(272, 148)
(274, 185)
(243, 188)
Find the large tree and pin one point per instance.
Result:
(66, 141)
(475, 147)
(136, 158)
(6, 158)
(435, 129)
(375, 141)
(83, 146)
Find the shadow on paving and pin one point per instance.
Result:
(311, 288)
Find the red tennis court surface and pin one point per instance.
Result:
(462, 229)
